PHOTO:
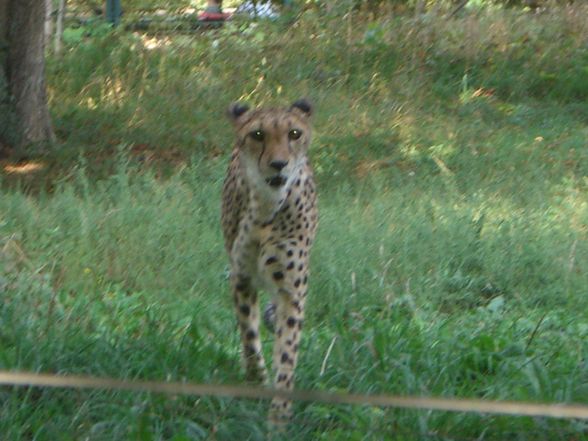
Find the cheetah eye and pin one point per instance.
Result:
(257, 135)
(294, 134)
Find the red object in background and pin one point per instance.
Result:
(214, 16)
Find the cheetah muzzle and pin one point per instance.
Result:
(276, 181)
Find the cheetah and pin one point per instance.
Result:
(269, 220)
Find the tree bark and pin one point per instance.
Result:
(48, 19)
(59, 26)
(6, 114)
(22, 66)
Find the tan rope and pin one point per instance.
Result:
(177, 388)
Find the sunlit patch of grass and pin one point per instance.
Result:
(24, 167)
(385, 72)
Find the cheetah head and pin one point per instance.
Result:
(272, 142)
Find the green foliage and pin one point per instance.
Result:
(452, 170)
(96, 29)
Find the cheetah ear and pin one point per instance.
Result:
(236, 110)
(303, 105)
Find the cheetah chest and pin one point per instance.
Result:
(272, 244)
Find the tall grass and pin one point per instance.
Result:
(451, 256)
(423, 293)
(160, 91)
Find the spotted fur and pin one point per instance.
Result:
(269, 220)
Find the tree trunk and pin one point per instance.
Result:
(48, 19)
(59, 26)
(22, 75)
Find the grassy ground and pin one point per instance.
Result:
(452, 254)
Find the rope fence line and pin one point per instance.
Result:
(513, 408)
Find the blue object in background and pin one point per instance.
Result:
(113, 11)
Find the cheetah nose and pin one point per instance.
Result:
(278, 165)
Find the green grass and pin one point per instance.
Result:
(452, 250)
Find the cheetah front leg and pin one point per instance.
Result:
(247, 310)
(288, 328)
